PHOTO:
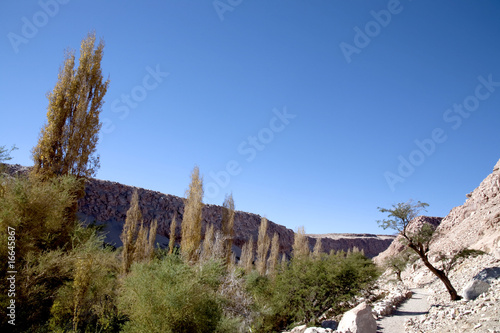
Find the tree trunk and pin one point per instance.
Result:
(438, 272)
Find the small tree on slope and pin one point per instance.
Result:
(400, 216)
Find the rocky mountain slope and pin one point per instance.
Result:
(107, 202)
(473, 225)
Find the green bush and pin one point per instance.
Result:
(87, 302)
(307, 287)
(171, 296)
(39, 212)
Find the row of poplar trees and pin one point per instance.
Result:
(67, 146)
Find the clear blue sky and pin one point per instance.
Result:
(304, 110)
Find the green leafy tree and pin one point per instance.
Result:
(68, 140)
(398, 262)
(307, 287)
(400, 216)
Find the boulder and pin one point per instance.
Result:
(330, 324)
(475, 288)
(358, 320)
(480, 283)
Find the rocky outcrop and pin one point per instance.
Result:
(475, 224)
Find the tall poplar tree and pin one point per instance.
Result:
(300, 247)
(191, 221)
(228, 226)
(263, 243)
(67, 142)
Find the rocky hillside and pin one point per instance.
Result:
(371, 244)
(475, 224)
(107, 203)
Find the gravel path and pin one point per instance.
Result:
(416, 305)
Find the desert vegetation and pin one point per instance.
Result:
(69, 280)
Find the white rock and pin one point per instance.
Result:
(299, 329)
(318, 330)
(358, 320)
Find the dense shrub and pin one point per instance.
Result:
(87, 302)
(172, 296)
(40, 214)
(307, 287)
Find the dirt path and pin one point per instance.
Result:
(415, 306)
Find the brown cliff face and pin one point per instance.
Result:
(371, 244)
(107, 202)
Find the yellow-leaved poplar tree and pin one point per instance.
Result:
(191, 221)
(149, 252)
(171, 241)
(129, 232)
(145, 242)
(318, 248)
(300, 244)
(67, 142)
(81, 283)
(263, 243)
(208, 243)
(228, 226)
(138, 244)
(272, 262)
(246, 259)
